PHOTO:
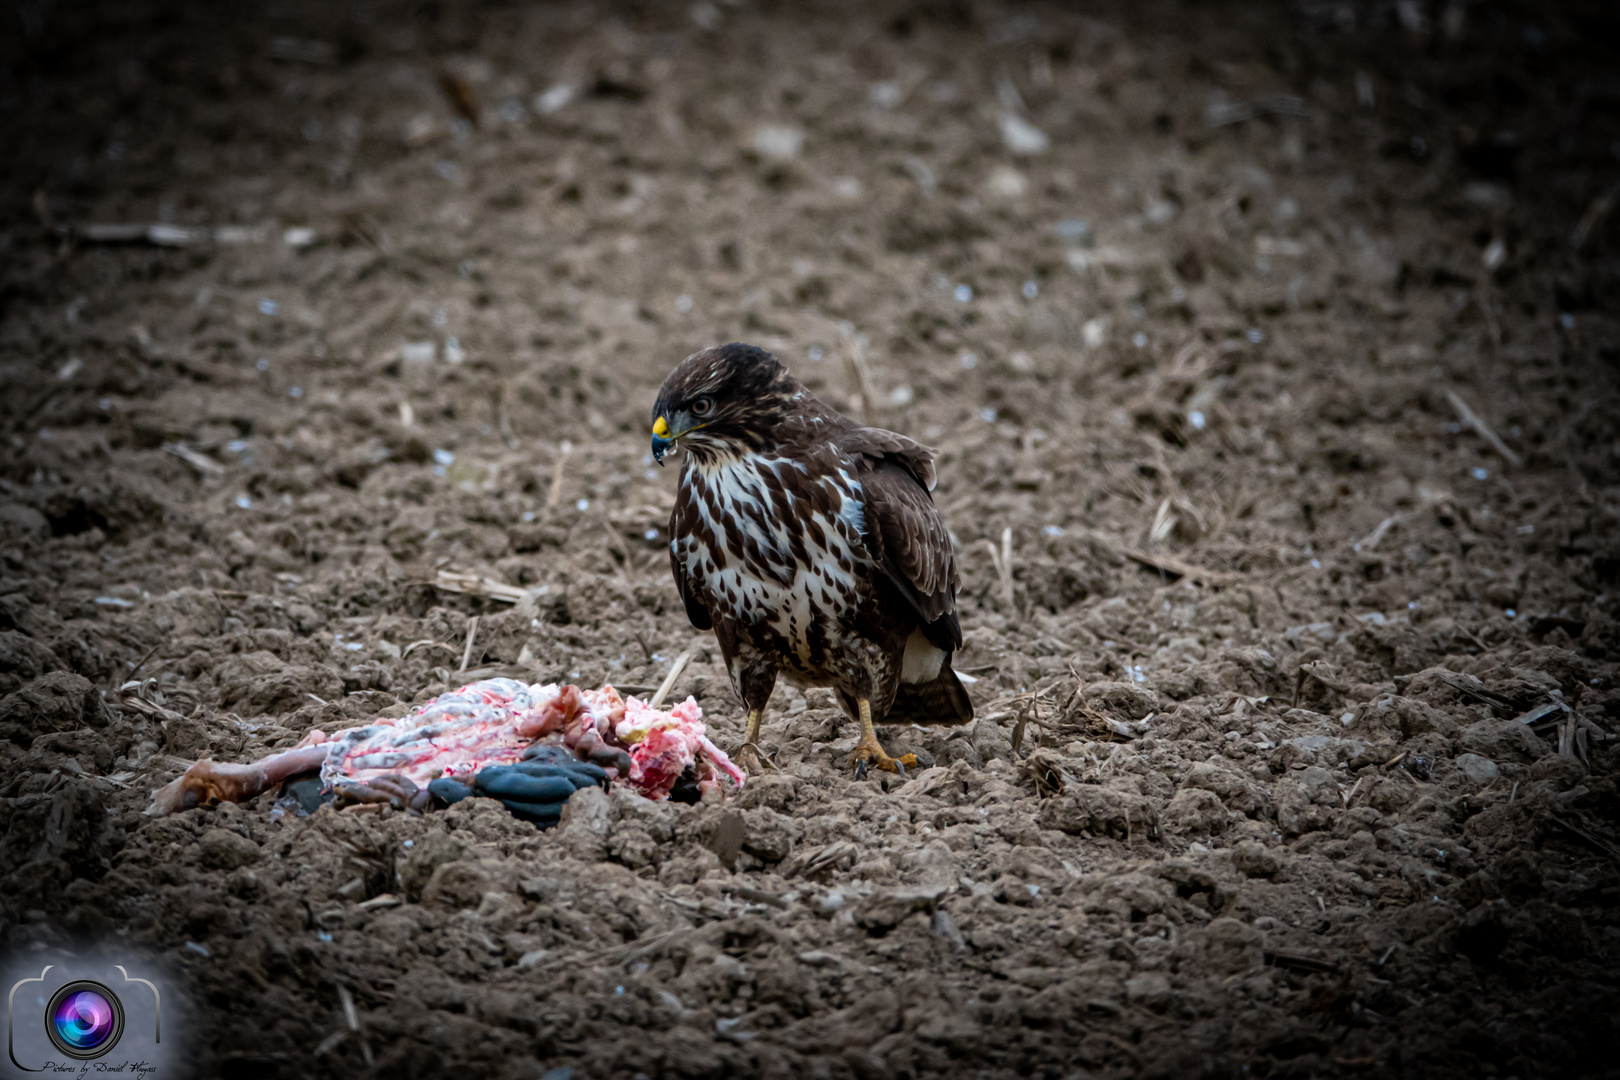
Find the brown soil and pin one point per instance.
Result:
(1264, 811)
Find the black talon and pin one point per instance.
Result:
(860, 770)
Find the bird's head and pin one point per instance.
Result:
(722, 401)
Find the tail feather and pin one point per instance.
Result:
(942, 701)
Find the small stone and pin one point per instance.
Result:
(1007, 182)
(1481, 770)
(553, 99)
(777, 143)
(1095, 331)
(1023, 137)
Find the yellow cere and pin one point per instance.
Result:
(660, 428)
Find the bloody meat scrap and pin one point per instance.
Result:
(493, 723)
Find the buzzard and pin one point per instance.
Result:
(811, 546)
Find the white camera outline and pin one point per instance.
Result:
(11, 1001)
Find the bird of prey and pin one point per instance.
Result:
(811, 546)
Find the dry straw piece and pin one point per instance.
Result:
(1472, 419)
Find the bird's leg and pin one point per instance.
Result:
(870, 752)
(754, 681)
(749, 755)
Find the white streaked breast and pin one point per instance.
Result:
(767, 586)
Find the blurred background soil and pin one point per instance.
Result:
(1271, 349)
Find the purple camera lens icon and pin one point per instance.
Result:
(84, 1019)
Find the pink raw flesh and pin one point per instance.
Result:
(456, 734)
(666, 744)
(484, 723)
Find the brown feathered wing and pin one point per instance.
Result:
(908, 539)
(904, 531)
(696, 613)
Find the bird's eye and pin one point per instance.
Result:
(702, 406)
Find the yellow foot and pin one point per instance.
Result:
(869, 752)
(752, 759)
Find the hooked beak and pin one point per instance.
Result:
(662, 440)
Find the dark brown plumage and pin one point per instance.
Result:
(810, 545)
